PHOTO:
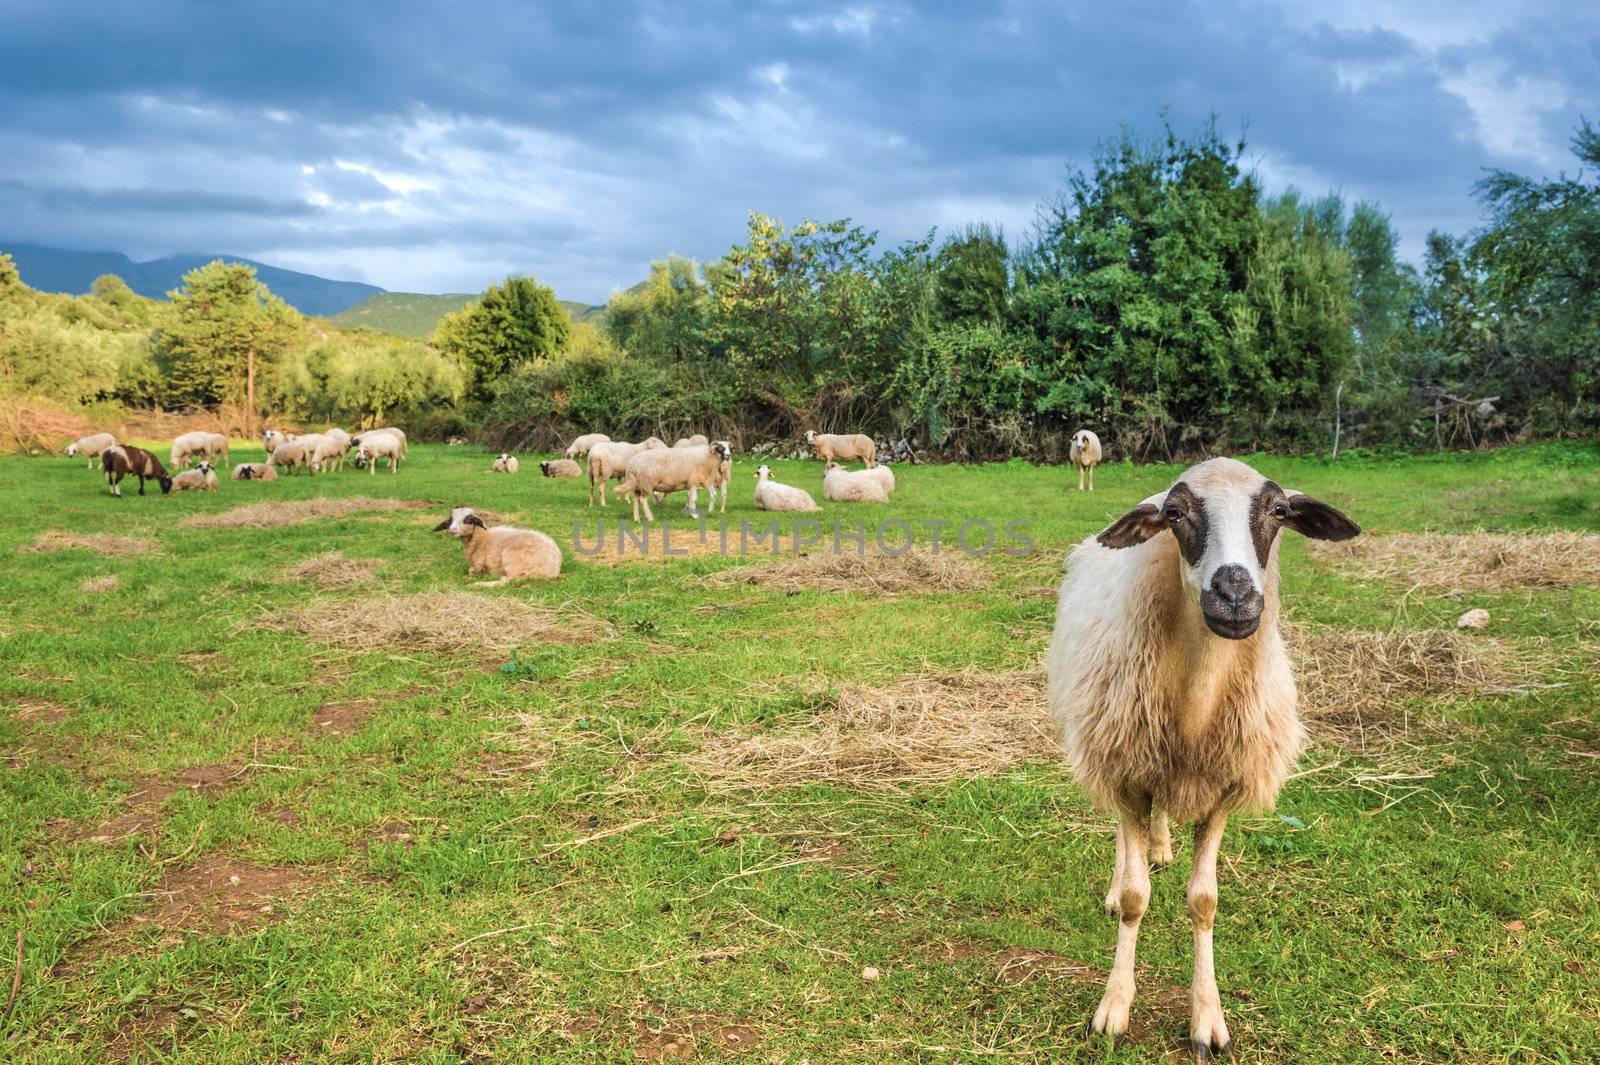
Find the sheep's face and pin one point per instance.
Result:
(830, 467)
(811, 434)
(204, 467)
(461, 519)
(764, 473)
(1226, 517)
(166, 484)
(72, 449)
(723, 450)
(1081, 440)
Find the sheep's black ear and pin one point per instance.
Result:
(1316, 519)
(442, 526)
(473, 519)
(1134, 527)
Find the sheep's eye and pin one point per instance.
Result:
(1281, 510)
(1173, 514)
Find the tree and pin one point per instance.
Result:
(226, 330)
(666, 317)
(972, 275)
(514, 323)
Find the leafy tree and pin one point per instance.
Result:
(367, 378)
(665, 318)
(516, 322)
(972, 272)
(10, 279)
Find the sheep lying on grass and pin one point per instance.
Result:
(503, 551)
(672, 470)
(561, 468)
(203, 478)
(91, 446)
(835, 447)
(1169, 679)
(882, 474)
(254, 471)
(607, 460)
(770, 495)
(505, 464)
(122, 459)
(840, 485)
(1086, 455)
(585, 444)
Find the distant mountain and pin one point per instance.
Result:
(72, 272)
(414, 314)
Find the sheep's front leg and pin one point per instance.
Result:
(1112, 1016)
(1080, 478)
(1114, 892)
(1091, 478)
(1208, 1032)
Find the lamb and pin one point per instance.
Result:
(91, 446)
(504, 464)
(697, 440)
(1086, 455)
(188, 445)
(561, 468)
(507, 552)
(670, 470)
(770, 495)
(585, 444)
(120, 460)
(254, 471)
(370, 447)
(840, 485)
(607, 460)
(833, 447)
(1169, 680)
(203, 478)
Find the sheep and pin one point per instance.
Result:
(254, 471)
(833, 447)
(329, 451)
(770, 495)
(882, 474)
(561, 468)
(120, 460)
(370, 447)
(505, 551)
(697, 440)
(91, 446)
(585, 443)
(840, 485)
(719, 483)
(1168, 678)
(670, 470)
(504, 464)
(607, 460)
(1086, 455)
(188, 445)
(293, 453)
(272, 438)
(203, 478)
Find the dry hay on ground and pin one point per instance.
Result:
(923, 729)
(1485, 562)
(436, 621)
(97, 585)
(333, 571)
(273, 513)
(908, 573)
(101, 543)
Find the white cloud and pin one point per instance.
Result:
(1508, 110)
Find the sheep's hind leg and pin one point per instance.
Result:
(1160, 841)
(1111, 1018)
(1114, 892)
(1208, 1032)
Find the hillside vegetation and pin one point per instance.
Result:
(417, 314)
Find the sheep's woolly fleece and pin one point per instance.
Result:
(333, 571)
(1487, 562)
(102, 543)
(274, 513)
(460, 622)
(908, 573)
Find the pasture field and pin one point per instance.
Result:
(360, 811)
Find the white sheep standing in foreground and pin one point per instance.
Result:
(377, 444)
(770, 495)
(505, 464)
(608, 458)
(585, 443)
(91, 446)
(1086, 455)
(1171, 685)
(837, 447)
(328, 454)
(840, 485)
(507, 553)
(673, 469)
(203, 478)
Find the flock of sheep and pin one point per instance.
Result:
(1167, 674)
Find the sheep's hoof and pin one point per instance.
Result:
(1156, 867)
(1207, 1052)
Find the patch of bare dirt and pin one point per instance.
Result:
(394, 832)
(219, 895)
(100, 543)
(139, 1030)
(681, 1039)
(142, 813)
(342, 719)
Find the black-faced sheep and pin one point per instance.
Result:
(561, 468)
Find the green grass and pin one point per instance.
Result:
(414, 314)
(517, 865)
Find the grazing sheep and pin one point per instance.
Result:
(329, 452)
(370, 447)
(585, 443)
(1168, 677)
(561, 468)
(504, 551)
(719, 483)
(607, 460)
(663, 470)
(292, 453)
(833, 447)
(254, 471)
(697, 440)
(770, 495)
(120, 460)
(91, 446)
(1086, 455)
(840, 485)
(203, 478)
(188, 445)
(505, 464)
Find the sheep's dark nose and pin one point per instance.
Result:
(1232, 584)
(1232, 606)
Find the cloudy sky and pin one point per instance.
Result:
(435, 146)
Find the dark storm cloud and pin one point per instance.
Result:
(437, 146)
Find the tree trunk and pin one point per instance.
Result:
(250, 393)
